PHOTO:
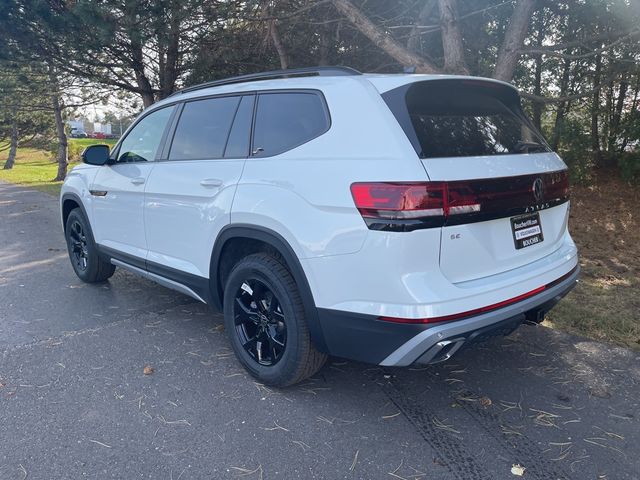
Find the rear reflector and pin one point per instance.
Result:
(406, 206)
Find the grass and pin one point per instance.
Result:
(35, 168)
(604, 223)
(84, 142)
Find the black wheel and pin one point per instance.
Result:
(265, 321)
(86, 262)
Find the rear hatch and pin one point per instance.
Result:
(505, 193)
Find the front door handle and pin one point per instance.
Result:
(137, 180)
(211, 182)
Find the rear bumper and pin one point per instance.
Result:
(368, 339)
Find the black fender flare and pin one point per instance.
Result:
(278, 242)
(76, 199)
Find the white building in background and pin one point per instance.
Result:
(77, 125)
(102, 128)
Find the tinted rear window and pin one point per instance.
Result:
(287, 120)
(467, 118)
(203, 129)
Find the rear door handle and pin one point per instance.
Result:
(137, 180)
(211, 182)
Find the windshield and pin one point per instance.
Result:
(468, 118)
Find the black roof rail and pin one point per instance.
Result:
(292, 72)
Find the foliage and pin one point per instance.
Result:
(577, 63)
(23, 102)
(629, 165)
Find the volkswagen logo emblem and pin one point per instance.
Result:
(538, 190)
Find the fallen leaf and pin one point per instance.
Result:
(600, 392)
(517, 470)
(485, 401)
(148, 370)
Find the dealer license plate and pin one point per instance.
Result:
(527, 230)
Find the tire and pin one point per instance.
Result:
(265, 321)
(83, 253)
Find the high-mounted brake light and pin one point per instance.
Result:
(406, 206)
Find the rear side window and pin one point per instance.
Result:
(466, 118)
(203, 129)
(287, 120)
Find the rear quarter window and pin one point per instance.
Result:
(287, 120)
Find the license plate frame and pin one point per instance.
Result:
(526, 230)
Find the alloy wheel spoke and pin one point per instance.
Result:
(245, 314)
(260, 322)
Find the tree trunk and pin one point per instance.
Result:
(13, 142)
(62, 156)
(595, 110)
(562, 107)
(169, 67)
(614, 131)
(631, 111)
(323, 47)
(277, 44)
(413, 42)
(510, 49)
(537, 88)
(137, 64)
(451, 38)
(381, 39)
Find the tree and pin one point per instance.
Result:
(23, 108)
(138, 46)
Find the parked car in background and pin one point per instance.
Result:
(77, 133)
(390, 219)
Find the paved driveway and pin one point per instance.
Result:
(74, 402)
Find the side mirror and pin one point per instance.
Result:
(96, 154)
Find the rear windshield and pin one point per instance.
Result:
(465, 118)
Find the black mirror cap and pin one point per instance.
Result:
(96, 155)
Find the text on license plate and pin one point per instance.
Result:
(527, 230)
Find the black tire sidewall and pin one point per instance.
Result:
(91, 272)
(286, 369)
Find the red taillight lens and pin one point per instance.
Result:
(398, 200)
(412, 205)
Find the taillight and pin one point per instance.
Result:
(409, 206)
(399, 201)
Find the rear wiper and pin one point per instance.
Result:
(525, 147)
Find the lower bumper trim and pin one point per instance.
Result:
(440, 342)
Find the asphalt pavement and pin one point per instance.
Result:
(75, 402)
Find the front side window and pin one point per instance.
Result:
(142, 143)
(287, 120)
(203, 129)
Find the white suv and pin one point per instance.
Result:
(389, 219)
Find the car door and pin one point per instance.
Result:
(189, 195)
(118, 188)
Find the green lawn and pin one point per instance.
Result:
(92, 141)
(35, 168)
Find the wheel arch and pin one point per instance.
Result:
(68, 202)
(252, 239)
